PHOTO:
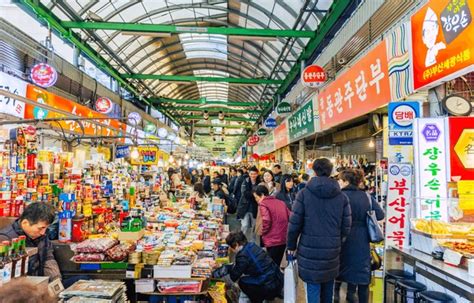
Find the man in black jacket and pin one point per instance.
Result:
(237, 190)
(33, 223)
(206, 181)
(277, 173)
(247, 208)
(321, 219)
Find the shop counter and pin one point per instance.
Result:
(435, 274)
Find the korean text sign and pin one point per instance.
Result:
(358, 91)
(431, 168)
(400, 121)
(147, 156)
(399, 198)
(461, 145)
(16, 86)
(442, 41)
(42, 96)
(301, 122)
(280, 135)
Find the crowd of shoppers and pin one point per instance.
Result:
(321, 221)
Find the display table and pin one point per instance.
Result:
(435, 274)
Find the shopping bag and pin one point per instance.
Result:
(290, 281)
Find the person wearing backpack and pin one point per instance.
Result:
(257, 275)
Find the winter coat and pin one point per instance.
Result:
(300, 186)
(247, 203)
(355, 255)
(275, 216)
(225, 178)
(232, 183)
(289, 198)
(238, 187)
(277, 177)
(41, 264)
(206, 184)
(321, 218)
(254, 266)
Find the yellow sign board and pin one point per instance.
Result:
(146, 156)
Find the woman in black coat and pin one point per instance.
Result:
(355, 255)
(287, 192)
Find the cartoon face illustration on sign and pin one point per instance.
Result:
(39, 112)
(430, 35)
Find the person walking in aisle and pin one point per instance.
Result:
(224, 176)
(321, 220)
(247, 208)
(275, 216)
(287, 192)
(233, 179)
(277, 174)
(269, 182)
(355, 255)
(304, 178)
(206, 181)
(238, 184)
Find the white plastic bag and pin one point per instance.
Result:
(290, 282)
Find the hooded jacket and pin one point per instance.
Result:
(275, 216)
(41, 264)
(321, 218)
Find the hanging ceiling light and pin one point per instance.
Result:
(171, 158)
(371, 144)
(205, 115)
(134, 154)
(186, 156)
(221, 115)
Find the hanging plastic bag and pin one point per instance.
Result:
(290, 280)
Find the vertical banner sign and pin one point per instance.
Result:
(399, 198)
(15, 86)
(461, 146)
(431, 153)
(400, 120)
(358, 91)
(301, 123)
(442, 41)
(280, 135)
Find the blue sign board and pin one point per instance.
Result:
(270, 123)
(400, 121)
(122, 151)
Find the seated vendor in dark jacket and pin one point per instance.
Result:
(260, 278)
(33, 224)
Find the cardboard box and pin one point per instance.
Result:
(130, 235)
(173, 271)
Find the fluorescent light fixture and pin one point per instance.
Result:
(149, 34)
(253, 38)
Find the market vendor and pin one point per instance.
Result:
(259, 277)
(33, 223)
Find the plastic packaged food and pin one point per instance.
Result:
(117, 253)
(93, 257)
(95, 245)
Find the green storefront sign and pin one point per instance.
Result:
(262, 132)
(301, 123)
(283, 108)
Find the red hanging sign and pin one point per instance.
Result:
(313, 76)
(44, 75)
(252, 141)
(104, 105)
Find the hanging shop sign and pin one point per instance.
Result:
(42, 96)
(313, 76)
(461, 145)
(400, 119)
(44, 75)
(150, 128)
(15, 86)
(253, 140)
(270, 122)
(162, 132)
(431, 155)
(399, 197)
(122, 151)
(358, 91)
(283, 108)
(146, 156)
(301, 122)
(261, 132)
(280, 135)
(104, 105)
(442, 42)
(134, 118)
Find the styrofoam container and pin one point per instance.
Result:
(173, 271)
(144, 285)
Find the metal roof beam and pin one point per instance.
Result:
(203, 101)
(209, 109)
(237, 119)
(250, 81)
(224, 126)
(134, 27)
